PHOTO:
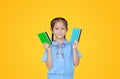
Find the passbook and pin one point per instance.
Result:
(44, 38)
(76, 32)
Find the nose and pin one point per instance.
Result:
(60, 30)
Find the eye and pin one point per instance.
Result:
(62, 28)
(56, 28)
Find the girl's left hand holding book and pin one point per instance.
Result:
(75, 44)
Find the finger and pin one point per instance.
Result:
(44, 43)
(76, 41)
(47, 45)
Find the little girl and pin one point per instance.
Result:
(61, 56)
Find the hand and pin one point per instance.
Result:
(75, 44)
(47, 46)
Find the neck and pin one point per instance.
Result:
(60, 40)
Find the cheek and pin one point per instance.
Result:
(64, 31)
(55, 32)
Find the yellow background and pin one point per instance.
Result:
(21, 50)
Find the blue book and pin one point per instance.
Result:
(76, 32)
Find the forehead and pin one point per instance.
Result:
(59, 24)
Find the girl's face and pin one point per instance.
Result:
(59, 30)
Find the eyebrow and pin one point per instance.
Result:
(60, 27)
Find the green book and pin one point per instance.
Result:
(44, 38)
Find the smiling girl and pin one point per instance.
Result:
(61, 56)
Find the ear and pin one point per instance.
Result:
(51, 30)
(67, 29)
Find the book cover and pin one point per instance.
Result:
(44, 38)
(76, 32)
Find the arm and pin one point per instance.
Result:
(49, 60)
(49, 56)
(75, 54)
(75, 57)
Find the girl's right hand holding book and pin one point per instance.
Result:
(47, 46)
(49, 58)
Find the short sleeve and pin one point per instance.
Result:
(79, 53)
(44, 58)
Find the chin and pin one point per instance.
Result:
(60, 37)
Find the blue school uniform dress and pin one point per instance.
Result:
(62, 60)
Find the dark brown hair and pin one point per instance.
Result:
(56, 20)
